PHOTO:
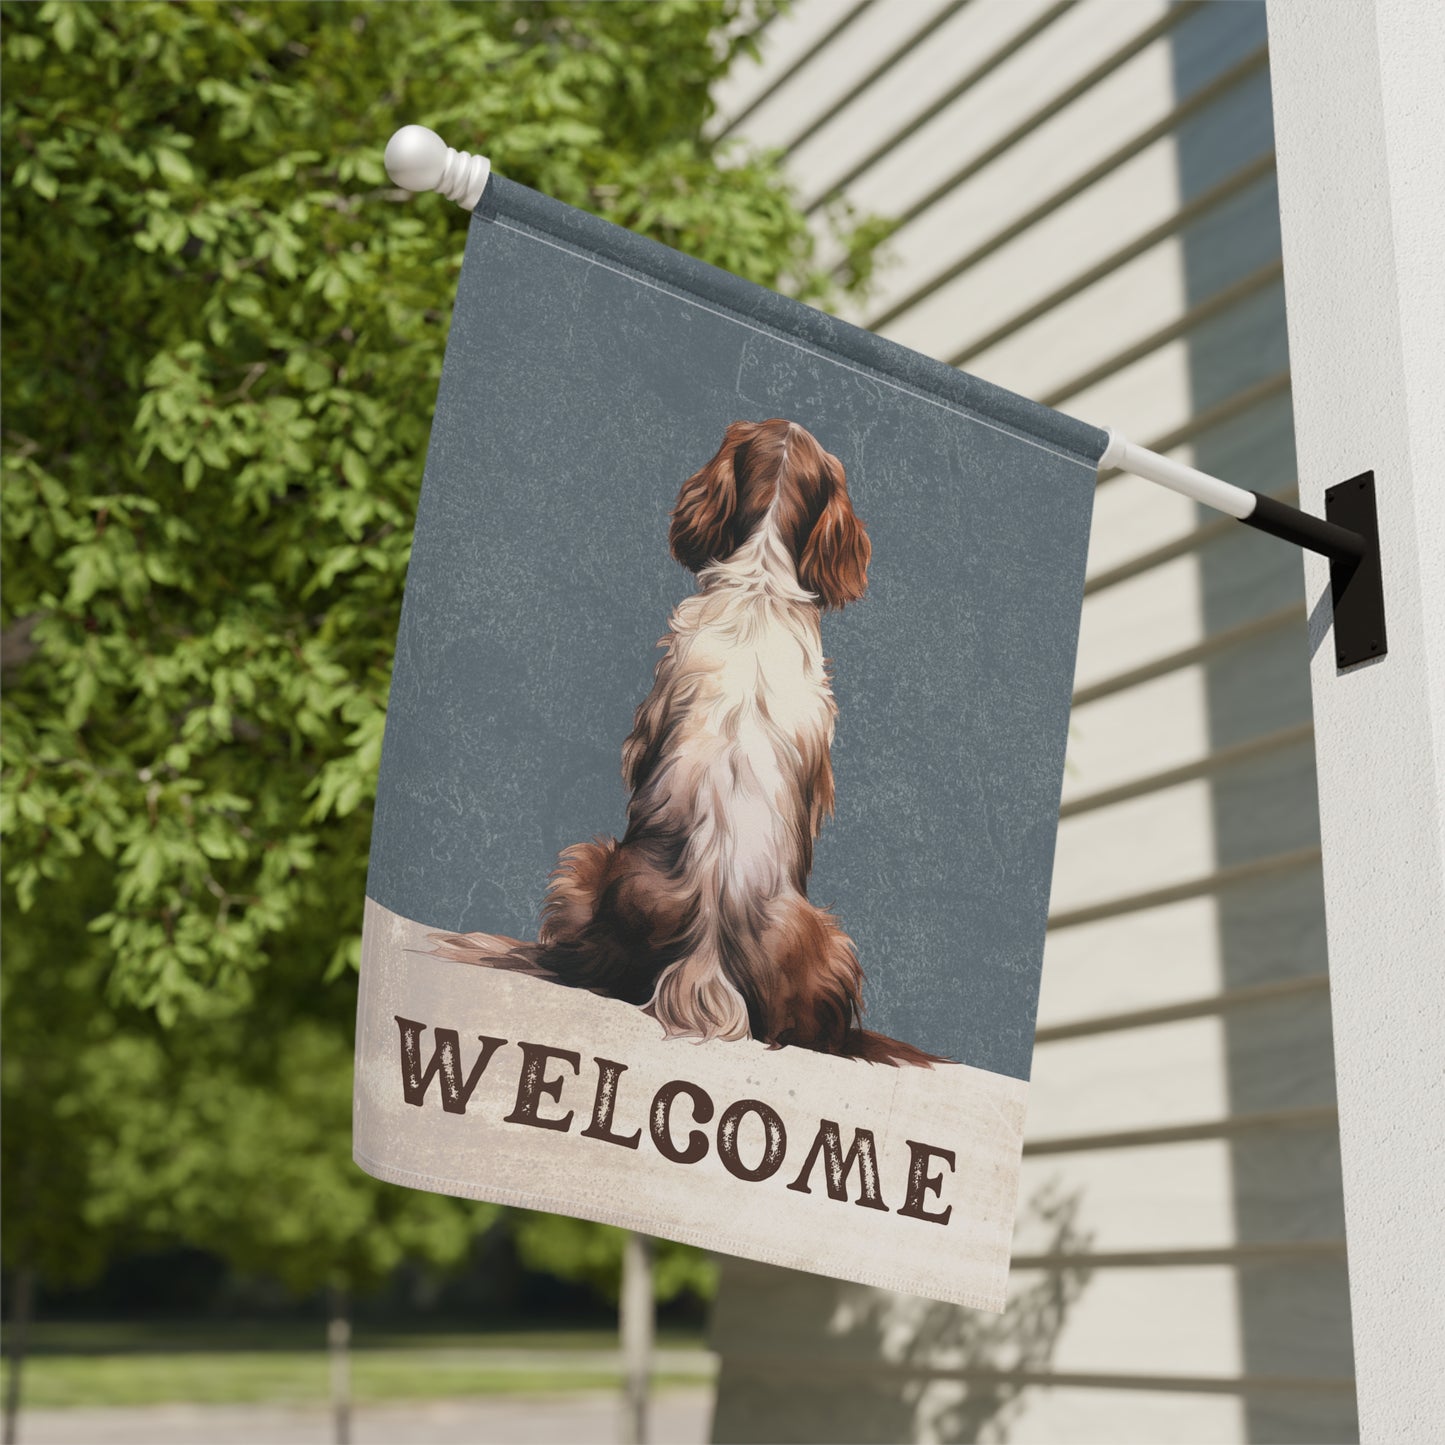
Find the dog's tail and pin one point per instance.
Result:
(488, 950)
(875, 1048)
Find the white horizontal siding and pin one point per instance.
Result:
(911, 88)
(1140, 621)
(1157, 725)
(788, 39)
(1152, 841)
(1132, 517)
(1098, 319)
(1091, 1417)
(1137, 1079)
(1144, 960)
(1180, 1202)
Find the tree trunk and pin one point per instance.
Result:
(338, 1344)
(635, 1322)
(23, 1305)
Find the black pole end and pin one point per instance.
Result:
(1348, 534)
(1316, 534)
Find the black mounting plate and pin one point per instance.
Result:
(1357, 587)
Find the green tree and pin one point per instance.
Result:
(223, 331)
(577, 1249)
(231, 1134)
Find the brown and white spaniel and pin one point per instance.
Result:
(700, 913)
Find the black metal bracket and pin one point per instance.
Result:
(1358, 589)
(1349, 535)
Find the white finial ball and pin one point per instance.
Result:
(415, 158)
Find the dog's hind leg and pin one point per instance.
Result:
(814, 996)
(801, 978)
(575, 889)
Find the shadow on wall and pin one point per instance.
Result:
(915, 1369)
(1293, 1297)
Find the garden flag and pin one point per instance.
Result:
(732, 938)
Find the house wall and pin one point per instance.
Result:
(1362, 190)
(1090, 218)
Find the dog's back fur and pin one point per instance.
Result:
(700, 913)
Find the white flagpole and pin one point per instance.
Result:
(1252, 508)
(1124, 455)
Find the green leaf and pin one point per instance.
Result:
(223, 339)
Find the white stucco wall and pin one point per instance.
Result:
(1360, 123)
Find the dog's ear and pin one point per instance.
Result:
(834, 563)
(703, 519)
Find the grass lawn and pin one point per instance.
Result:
(118, 1365)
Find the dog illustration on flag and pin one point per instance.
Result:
(700, 914)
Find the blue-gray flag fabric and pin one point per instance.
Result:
(722, 766)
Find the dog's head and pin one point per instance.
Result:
(777, 464)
